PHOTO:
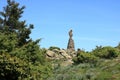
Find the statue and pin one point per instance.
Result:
(70, 45)
(70, 33)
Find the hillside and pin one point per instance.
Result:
(104, 69)
(22, 58)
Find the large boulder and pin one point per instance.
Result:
(50, 53)
(60, 54)
(64, 54)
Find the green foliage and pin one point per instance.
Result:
(35, 57)
(106, 52)
(53, 47)
(12, 68)
(84, 57)
(30, 52)
(10, 22)
(7, 42)
(21, 58)
(106, 69)
(118, 47)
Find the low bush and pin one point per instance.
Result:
(106, 52)
(85, 58)
(54, 47)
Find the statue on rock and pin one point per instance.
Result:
(70, 45)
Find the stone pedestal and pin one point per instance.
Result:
(71, 45)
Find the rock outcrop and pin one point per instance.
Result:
(58, 54)
(70, 45)
(62, 55)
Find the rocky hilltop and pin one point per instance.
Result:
(64, 55)
(61, 55)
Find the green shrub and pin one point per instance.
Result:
(35, 57)
(104, 75)
(85, 58)
(53, 47)
(106, 52)
(12, 68)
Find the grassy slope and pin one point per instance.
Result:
(105, 69)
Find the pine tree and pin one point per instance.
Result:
(10, 22)
(17, 47)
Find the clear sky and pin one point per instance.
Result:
(94, 22)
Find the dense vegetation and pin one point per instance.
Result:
(103, 63)
(21, 58)
(105, 69)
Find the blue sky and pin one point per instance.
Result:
(94, 22)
